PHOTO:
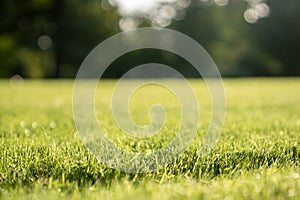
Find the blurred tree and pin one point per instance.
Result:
(80, 27)
(50, 38)
(266, 48)
(278, 38)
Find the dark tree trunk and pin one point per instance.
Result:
(59, 38)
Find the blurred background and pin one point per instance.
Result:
(50, 38)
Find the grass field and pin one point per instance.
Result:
(257, 155)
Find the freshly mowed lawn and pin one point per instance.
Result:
(257, 155)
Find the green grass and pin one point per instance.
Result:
(257, 156)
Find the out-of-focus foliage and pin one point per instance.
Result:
(50, 38)
(162, 12)
(268, 47)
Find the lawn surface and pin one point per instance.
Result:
(257, 155)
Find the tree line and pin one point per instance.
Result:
(50, 38)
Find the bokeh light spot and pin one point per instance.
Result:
(44, 42)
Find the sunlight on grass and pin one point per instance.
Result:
(257, 156)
